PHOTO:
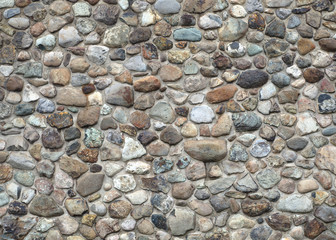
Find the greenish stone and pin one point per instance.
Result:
(187, 34)
(24, 109)
(26, 178)
(73, 109)
(191, 68)
(94, 138)
(253, 49)
(30, 69)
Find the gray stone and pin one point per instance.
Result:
(167, 6)
(268, 178)
(295, 203)
(89, 183)
(180, 221)
(202, 114)
(162, 111)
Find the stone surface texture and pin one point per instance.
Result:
(167, 119)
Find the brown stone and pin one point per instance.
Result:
(313, 75)
(79, 65)
(130, 130)
(305, 46)
(88, 116)
(70, 96)
(60, 76)
(170, 73)
(196, 171)
(183, 190)
(328, 44)
(286, 186)
(6, 173)
(307, 185)
(324, 178)
(279, 222)
(255, 208)
(14, 83)
(140, 120)
(162, 28)
(37, 29)
(120, 209)
(105, 226)
(73, 167)
(256, 21)
(194, 6)
(171, 136)
(221, 94)
(147, 84)
(7, 54)
(125, 77)
(22, 3)
(314, 228)
(88, 155)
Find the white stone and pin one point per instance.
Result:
(294, 71)
(123, 4)
(6, 70)
(62, 179)
(128, 224)
(138, 167)
(112, 168)
(238, 11)
(210, 21)
(6, 3)
(13, 190)
(137, 197)
(124, 183)
(267, 91)
(202, 114)
(29, 94)
(306, 124)
(132, 149)
(311, 91)
(320, 59)
(148, 18)
(95, 99)
(264, 107)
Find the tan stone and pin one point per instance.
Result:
(170, 73)
(307, 185)
(305, 46)
(60, 76)
(147, 84)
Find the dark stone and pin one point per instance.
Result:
(252, 79)
(17, 208)
(147, 137)
(71, 133)
(24, 109)
(187, 20)
(297, 143)
(106, 14)
(219, 202)
(88, 88)
(95, 168)
(182, 111)
(163, 43)
(255, 208)
(288, 58)
(22, 40)
(60, 120)
(321, 5)
(279, 222)
(248, 121)
(7, 54)
(328, 44)
(325, 213)
(314, 228)
(302, 10)
(159, 221)
(140, 35)
(72, 148)
(256, 21)
(155, 184)
(276, 28)
(51, 138)
(118, 54)
(221, 61)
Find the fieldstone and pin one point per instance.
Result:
(279, 221)
(45, 206)
(206, 150)
(252, 79)
(162, 202)
(52, 139)
(106, 14)
(260, 148)
(119, 94)
(314, 228)
(181, 221)
(60, 120)
(187, 34)
(295, 203)
(220, 185)
(124, 183)
(117, 36)
(268, 178)
(105, 226)
(68, 37)
(73, 167)
(167, 7)
(120, 209)
(232, 30)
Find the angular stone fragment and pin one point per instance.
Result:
(255, 208)
(295, 203)
(326, 158)
(88, 116)
(147, 84)
(73, 167)
(180, 221)
(45, 206)
(206, 150)
(279, 221)
(194, 6)
(60, 120)
(119, 94)
(232, 30)
(70, 96)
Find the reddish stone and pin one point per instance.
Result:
(140, 120)
(125, 77)
(221, 94)
(88, 155)
(313, 75)
(88, 88)
(147, 84)
(326, 86)
(313, 228)
(37, 29)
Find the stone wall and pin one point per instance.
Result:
(167, 119)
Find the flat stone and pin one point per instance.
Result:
(206, 150)
(45, 206)
(220, 185)
(295, 203)
(279, 221)
(89, 183)
(119, 94)
(116, 36)
(252, 79)
(124, 183)
(232, 30)
(167, 7)
(255, 208)
(120, 209)
(73, 167)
